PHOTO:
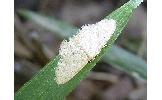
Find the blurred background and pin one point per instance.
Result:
(41, 25)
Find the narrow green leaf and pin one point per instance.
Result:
(127, 62)
(61, 29)
(44, 87)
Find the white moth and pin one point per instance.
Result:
(81, 48)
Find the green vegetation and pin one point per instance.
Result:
(43, 85)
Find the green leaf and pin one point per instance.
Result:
(61, 29)
(44, 87)
(127, 62)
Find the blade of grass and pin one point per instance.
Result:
(44, 87)
(116, 56)
(61, 29)
(126, 61)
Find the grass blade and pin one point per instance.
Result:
(127, 62)
(43, 86)
(61, 29)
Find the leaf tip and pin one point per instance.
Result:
(135, 3)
